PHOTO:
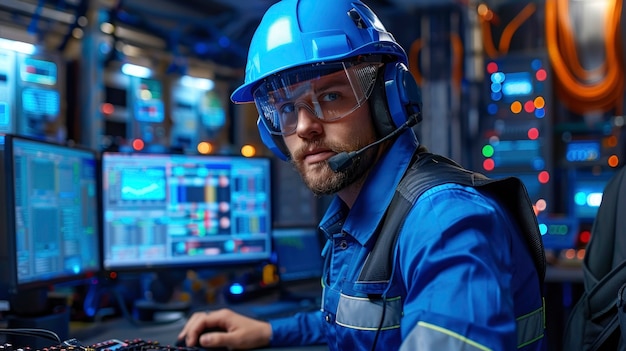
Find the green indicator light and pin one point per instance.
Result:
(488, 151)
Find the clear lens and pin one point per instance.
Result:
(328, 91)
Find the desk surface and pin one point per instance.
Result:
(165, 334)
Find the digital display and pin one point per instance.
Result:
(585, 193)
(150, 111)
(582, 151)
(41, 102)
(163, 211)
(558, 233)
(38, 71)
(51, 232)
(516, 153)
(517, 84)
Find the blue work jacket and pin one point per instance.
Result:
(462, 277)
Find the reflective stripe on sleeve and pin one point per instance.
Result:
(432, 337)
(530, 328)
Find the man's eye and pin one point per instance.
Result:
(330, 97)
(287, 108)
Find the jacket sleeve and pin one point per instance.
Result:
(454, 254)
(301, 329)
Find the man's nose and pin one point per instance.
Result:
(307, 119)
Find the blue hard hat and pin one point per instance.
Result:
(293, 33)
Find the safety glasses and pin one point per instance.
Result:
(329, 91)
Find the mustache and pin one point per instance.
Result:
(316, 144)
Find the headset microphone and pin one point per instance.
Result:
(343, 160)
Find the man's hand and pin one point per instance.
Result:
(225, 328)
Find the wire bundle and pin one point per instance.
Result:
(32, 332)
(582, 90)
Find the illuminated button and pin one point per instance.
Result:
(529, 106)
(516, 107)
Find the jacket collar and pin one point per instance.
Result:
(375, 196)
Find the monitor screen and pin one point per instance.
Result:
(298, 253)
(51, 230)
(173, 210)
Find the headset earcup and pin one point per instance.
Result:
(275, 143)
(403, 95)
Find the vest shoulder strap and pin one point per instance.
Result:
(429, 170)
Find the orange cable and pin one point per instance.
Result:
(416, 46)
(567, 44)
(595, 93)
(507, 33)
(457, 68)
(513, 26)
(457, 62)
(490, 49)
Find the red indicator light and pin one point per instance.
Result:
(543, 177)
(533, 133)
(584, 236)
(107, 109)
(492, 67)
(529, 106)
(488, 164)
(138, 144)
(541, 75)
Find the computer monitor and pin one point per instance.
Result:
(298, 254)
(49, 226)
(168, 211)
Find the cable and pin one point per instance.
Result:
(457, 60)
(513, 26)
(577, 94)
(380, 324)
(485, 15)
(36, 333)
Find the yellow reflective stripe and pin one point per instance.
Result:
(453, 336)
(530, 327)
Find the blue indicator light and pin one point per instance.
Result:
(543, 229)
(236, 289)
(497, 77)
(496, 96)
(492, 109)
(540, 113)
(580, 198)
(536, 64)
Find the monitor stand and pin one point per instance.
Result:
(157, 305)
(152, 311)
(33, 309)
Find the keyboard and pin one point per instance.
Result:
(110, 345)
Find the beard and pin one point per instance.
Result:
(322, 180)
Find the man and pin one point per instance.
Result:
(335, 98)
